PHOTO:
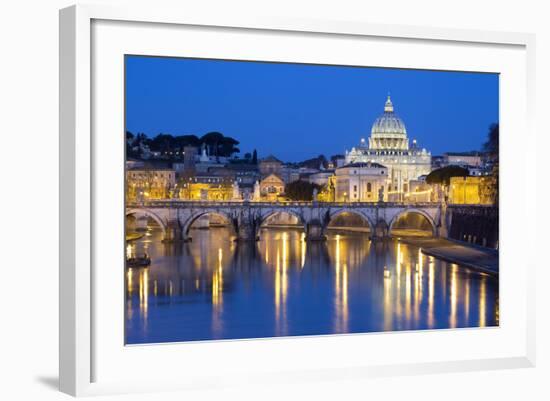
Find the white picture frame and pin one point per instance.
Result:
(80, 344)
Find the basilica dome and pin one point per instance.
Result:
(388, 123)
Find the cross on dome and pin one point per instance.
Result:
(389, 105)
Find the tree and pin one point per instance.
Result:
(254, 157)
(142, 138)
(491, 147)
(228, 146)
(186, 140)
(492, 144)
(301, 190)
(132, 145)
(212, 141)
(162, 143)
(443, 175)
(220, 145)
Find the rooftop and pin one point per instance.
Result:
(363, 165)
(470, 153)
(271, 159)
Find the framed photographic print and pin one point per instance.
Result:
(290, 198)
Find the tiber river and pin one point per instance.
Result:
(214, 288)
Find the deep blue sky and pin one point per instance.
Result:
(297, 111)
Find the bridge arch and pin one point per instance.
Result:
(186, 225)
(421, 212)
(147, 213)
(266, 216)
(333, 215)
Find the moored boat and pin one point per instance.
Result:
(139, 261)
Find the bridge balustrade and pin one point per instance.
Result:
(186, 203)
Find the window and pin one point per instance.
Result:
(355, 188)
(369, 187)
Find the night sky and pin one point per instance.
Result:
(297, 111)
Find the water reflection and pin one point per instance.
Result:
(214, 288)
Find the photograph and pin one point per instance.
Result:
(273, 199)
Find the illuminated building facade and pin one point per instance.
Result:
(271, 187)
(149, 183)
(360, 182)
(389, 146)
(469, 191)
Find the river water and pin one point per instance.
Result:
(214, 288)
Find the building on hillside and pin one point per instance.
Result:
(337, 161)
(204, 162)
(186, 168)
(290, 173)
(463, 159)
(389, 146)
(469, 191)
(360, 182)
(244, 173)
(270, 165)
(221, 176)
(144, 183)
(478, 171)
(134, 164)
(438, 162)
(321, 177)
(271, 187)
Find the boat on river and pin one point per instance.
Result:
(138, 261)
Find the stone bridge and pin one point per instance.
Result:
(176, 217)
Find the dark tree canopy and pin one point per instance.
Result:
(301, 190)
(162, 143)
(216, 143)
(491, 146)
(186, 140)
(219, 145)
(492, 149)
(443, 175)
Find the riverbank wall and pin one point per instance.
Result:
(477, 225)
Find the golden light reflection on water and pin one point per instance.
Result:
(281, 286)
(283, 252)
(217, 281)
(129, 283)
(303, 249)
(483, 301)
(431, 293)
(217, 296)
(388, 305)
(144, 291)
(408, 299)
(340, 287)
(454, 295)
(350, 281)
(398, 267)
(129, 250)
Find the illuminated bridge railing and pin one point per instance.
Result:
(171, 203)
